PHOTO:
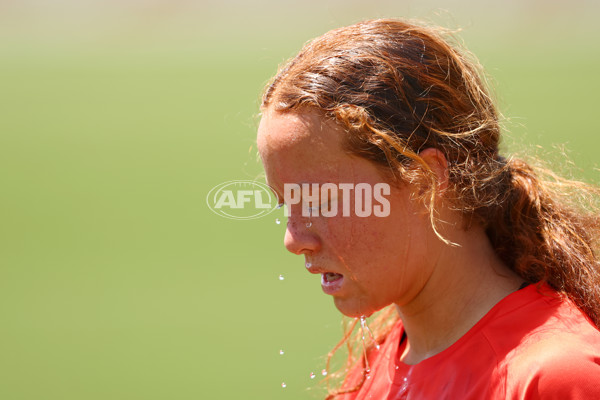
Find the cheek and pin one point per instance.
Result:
(347, 234)
(366, 245)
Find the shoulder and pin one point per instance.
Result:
(556, 365)
(556, 354)
(536, 314)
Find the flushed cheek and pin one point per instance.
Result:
(348, 232)
(343, 242)
(361, 245)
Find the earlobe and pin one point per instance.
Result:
(438, 164)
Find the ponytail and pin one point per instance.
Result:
(545, 239)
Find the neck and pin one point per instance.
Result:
(470, 279)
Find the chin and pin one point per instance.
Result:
(352, 308)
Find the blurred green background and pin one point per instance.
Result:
(116, 119)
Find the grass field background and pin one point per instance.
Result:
(117, 118)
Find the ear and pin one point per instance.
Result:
(438, 163)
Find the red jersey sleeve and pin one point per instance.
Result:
(572, 373)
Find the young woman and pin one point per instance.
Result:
(488, 277)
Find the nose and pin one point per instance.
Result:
(300, 239)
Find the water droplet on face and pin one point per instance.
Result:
(281, 277)
(277, 221)
(324, 372)
(283, 385)
(312, 375)
(280, 352)
(308, 265)
(308, 224)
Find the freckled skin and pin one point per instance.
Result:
(384, 260)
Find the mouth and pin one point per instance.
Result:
(331, 282)
(329, 277)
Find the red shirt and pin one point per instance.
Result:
(531, 345)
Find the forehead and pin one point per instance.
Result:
(302, 148)
(284, 131)
(306, 148)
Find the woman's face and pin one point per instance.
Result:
(365, 263)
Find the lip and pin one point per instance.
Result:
(331, 287)
(313, 269)
(328, 287)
